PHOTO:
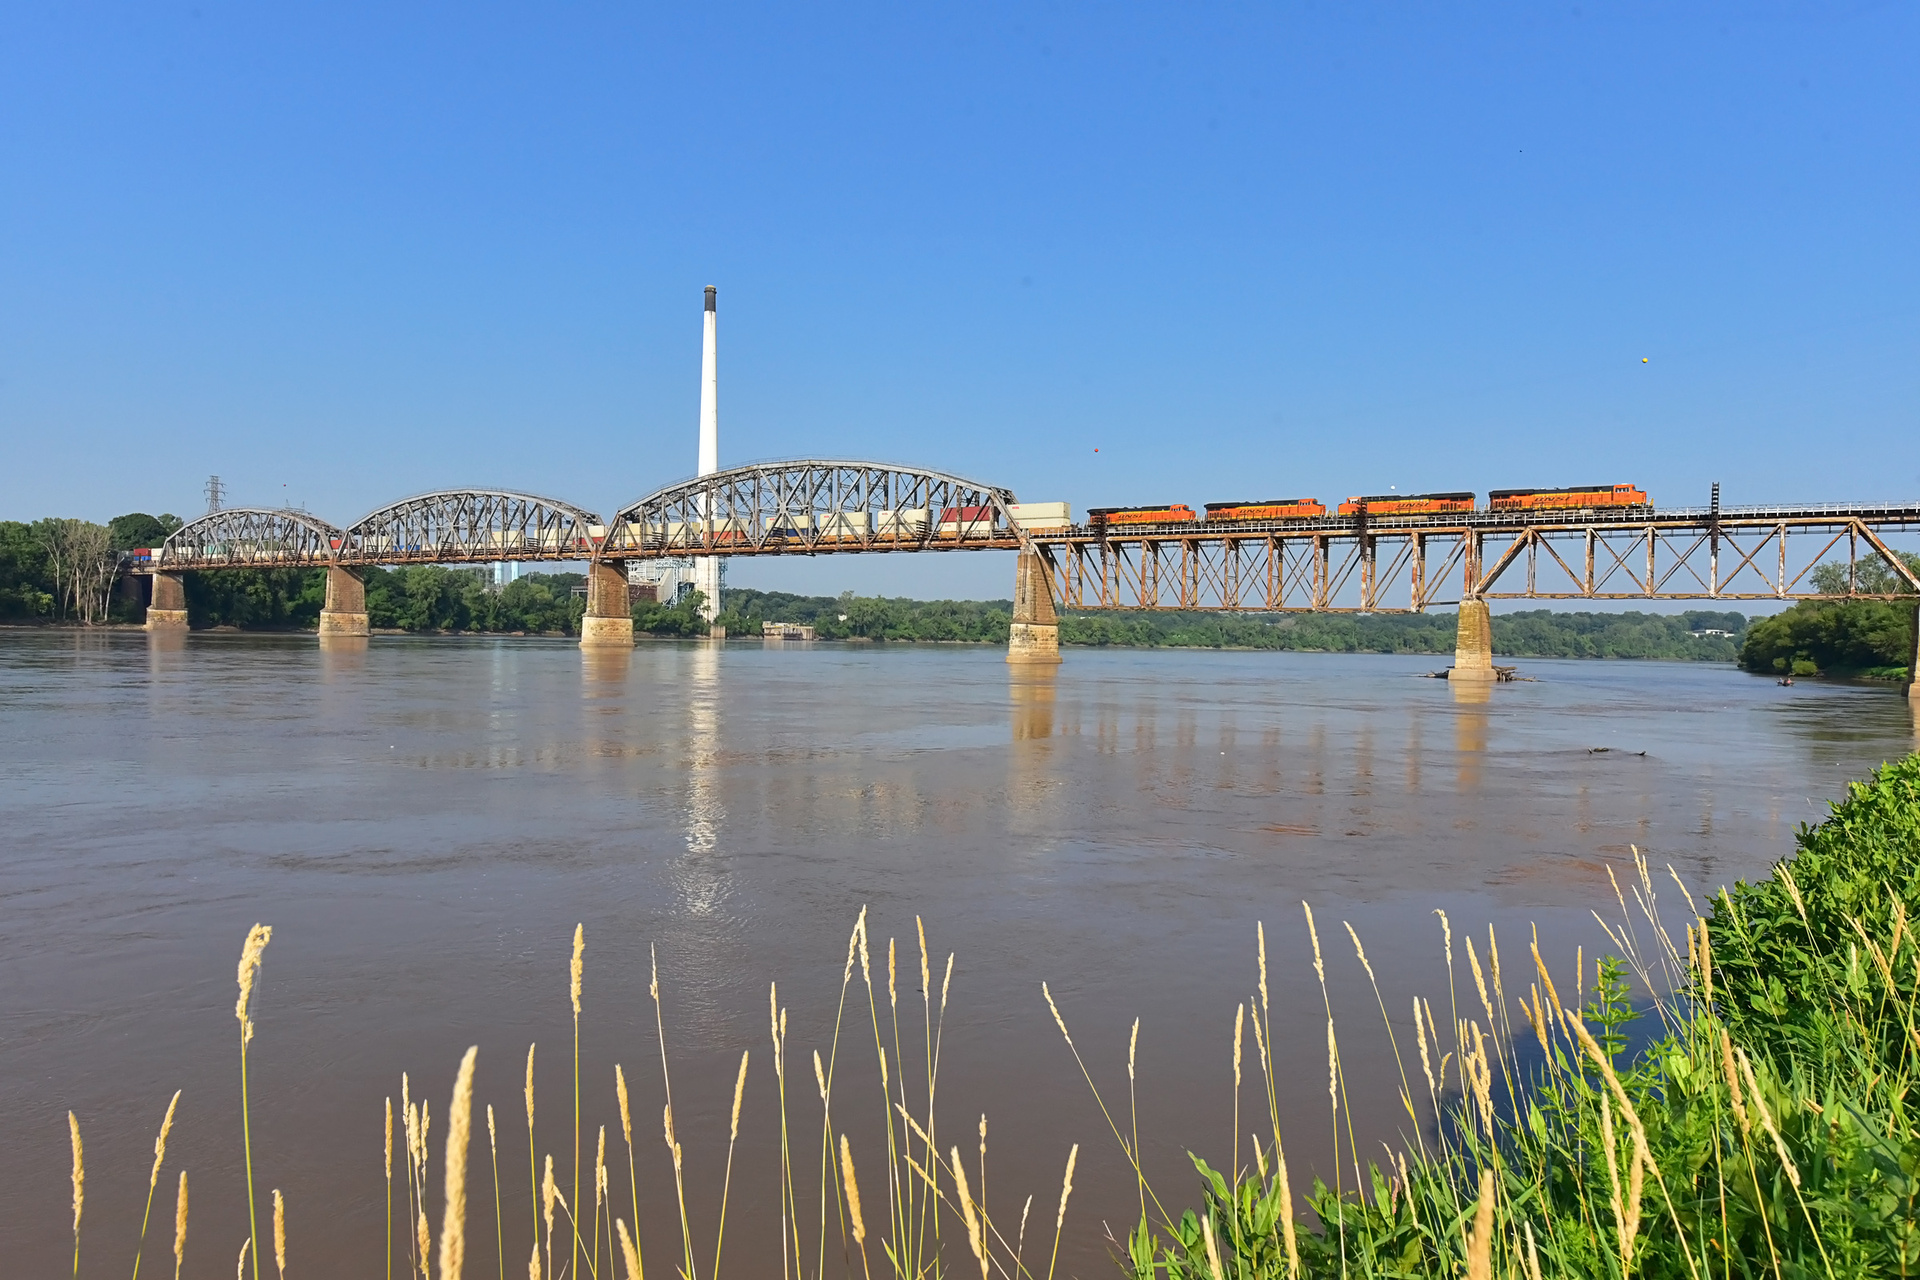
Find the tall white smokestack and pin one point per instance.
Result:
(706, 571)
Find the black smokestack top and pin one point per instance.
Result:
(711, 291)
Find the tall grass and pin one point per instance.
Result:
(1765, 1131)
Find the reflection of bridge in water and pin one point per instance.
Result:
(1325, 564)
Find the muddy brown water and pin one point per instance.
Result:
(424, 821)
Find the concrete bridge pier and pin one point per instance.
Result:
(345, 610)
(609, 618)
(167, 611)
(1473, 642)
(1035, 637)
(1913, 660)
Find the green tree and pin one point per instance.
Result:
(138, 529)
(681, 618)
(1830, 636)
(26, 587)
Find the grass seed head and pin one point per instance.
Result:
(1733, 1082)
(1480, 1243)
(1066, 1187)
(966, 1208)
(1333, 1063)
(1260, 933)
(1057, 1019)
(1319, 969)
(549, 1195)
(860, 933)
(1359, 950)
(1213, 1248)
(256, 943)
(530, 1086)
(739, 1095)
(279, 1231)
(180, 1227)
(620, 1090)
(79, 1172)
(1239, 1017)
(577, 968)
(160, 1143)
(853, 1192)
(453, 1223)
(627, 1251)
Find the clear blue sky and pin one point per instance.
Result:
(360, 251)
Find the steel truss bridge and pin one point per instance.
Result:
(1327, 564)
(806, 507)
(1407, 565)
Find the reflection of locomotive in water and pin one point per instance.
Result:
(1576, 500)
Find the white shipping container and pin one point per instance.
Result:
(843, 524)
(905, 523)
(1041, 515)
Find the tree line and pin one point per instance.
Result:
(422, 598)
(1839, 637)
(62, 569)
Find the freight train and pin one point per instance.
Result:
(1396, 505)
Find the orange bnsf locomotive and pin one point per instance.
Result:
(1110, 517)
(1272, 509)
(1408, 504)
(1580, 497)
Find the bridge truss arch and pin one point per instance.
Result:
(454, 526)
(816, 506)
(251, 537)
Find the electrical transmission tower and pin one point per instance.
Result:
(216, 494)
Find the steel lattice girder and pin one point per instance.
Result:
(816, 506)
(1402, 570)
(473, 525)
(250, 537)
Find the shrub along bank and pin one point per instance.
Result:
(1768, 1131)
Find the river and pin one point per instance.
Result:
(424, 821)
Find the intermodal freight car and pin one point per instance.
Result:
(1580, 497)
(1408, 504)
(1272, 509)
(1105, 517)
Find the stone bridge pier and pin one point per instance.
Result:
(1473, 642)
(1913, 660)
(345, 611)
(1035, 637)
(609, 618)
(167, 611)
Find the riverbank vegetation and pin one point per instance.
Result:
(1768, 1129)
(1539, 633)
(60, 569)
(1839, 637)
(1765, 1126)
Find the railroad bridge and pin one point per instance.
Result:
(797, 507)
(1333, 563)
